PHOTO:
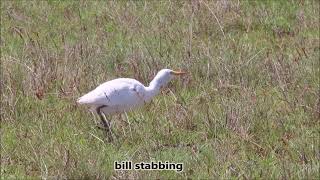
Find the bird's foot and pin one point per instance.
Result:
(107, 130)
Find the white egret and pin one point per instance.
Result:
(123, 94)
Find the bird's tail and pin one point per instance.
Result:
(84, 100)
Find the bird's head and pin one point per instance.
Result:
(165, 75)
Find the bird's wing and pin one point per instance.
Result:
(119, 92)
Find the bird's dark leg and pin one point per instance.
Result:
(105, 122)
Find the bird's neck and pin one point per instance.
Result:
(153, 88)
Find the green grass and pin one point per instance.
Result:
(248, 108)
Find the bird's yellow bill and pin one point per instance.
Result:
(178, 72)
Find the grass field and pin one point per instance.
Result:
(248, 108)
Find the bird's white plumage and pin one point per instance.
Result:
(118, 95)
(123, 94)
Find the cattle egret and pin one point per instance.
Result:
(123, 94)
